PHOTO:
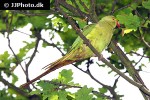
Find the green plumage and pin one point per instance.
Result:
(99, 34)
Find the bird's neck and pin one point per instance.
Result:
(108, 26)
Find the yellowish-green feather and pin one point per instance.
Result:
(98, 34)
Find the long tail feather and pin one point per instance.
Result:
(50, 68)
(65, 60)
(51, 65)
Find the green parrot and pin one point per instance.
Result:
(99, 34)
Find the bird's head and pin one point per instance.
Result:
(111, 20)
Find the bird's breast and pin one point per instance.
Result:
(100, 38)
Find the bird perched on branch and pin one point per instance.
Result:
(99, 35)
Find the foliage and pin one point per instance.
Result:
(133, 15)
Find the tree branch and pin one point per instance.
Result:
(72, 8)
(111, 89)
(113, 6)
(53, 45)
(123, 58)
(8, 26)
(65, 86)
(87, 72)
(19, 91)
(132, 52)
(28, 13)
(35, 49)
(131, 70)
(84, 6)
(86, 41)
(92, 12)
(139, 60)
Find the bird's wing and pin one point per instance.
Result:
(86, 30)
(67, 58)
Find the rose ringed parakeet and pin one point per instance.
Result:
(99, 34)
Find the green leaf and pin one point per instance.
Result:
(5, 96)
(60, 24)
(19, 20)
(146, 4)
(46, 86)
(103, 90)
(84, 92)
(65, 76)
(5, 60)
(4, 56)
(14, 78)
(134, 5)
(51, 91)
(128, 42)
(68, 37)
(29, 45)
(125, 11)
(101, 98)
(79, 5)
(2, 25)
(70, 96)
(81, 22)
(38, 21)
(37, 91)
(53, 96)
(130, 21)
(48, 90)
(100, 65)
(62, 95)
(115, 60)
(23, 51)
(44, 44)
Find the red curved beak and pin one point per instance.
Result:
(117, 23)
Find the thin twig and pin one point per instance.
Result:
(92, 12)
(84, 6)
(54, 45)
(146, 43)
(65, 86)
(122, 8)
(142, 38)
(21, 32)
(28, 13)
(77, 8)
(111, 89)
(115, 83)
(132, 71)
(8, 26)
(92, 77)
(113, 6)
(35, 50)
(71, 8)
(139, 60)
(140, 86)
(132, 52)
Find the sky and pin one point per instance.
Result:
(50, 54)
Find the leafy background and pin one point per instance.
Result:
(133, 15)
